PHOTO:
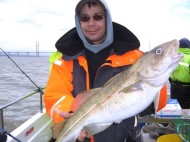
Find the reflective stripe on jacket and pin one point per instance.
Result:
(53, 57)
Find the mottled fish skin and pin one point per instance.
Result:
(130, 91)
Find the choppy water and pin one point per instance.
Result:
(14, 84)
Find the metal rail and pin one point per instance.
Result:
(18, 100)
(160, 120)
(26, 54)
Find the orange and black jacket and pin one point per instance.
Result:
(71, 75)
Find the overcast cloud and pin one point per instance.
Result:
(23, 22)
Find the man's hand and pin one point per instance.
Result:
(83, 133)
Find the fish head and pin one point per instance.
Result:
(158, 63)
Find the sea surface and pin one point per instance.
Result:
(14, 84)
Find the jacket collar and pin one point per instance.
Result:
(72, 46)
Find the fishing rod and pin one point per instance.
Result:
(38, 88)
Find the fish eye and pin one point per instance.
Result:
(159, 51)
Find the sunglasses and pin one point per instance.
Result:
(96, 17)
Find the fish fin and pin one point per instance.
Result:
(56, 129)
(64, 114)
(93, 129)
(82, 97)
(132, 88)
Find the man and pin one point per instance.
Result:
(93, 52)
(180, 78)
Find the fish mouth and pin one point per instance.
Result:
(178, 57)
(176, 60)
(175, 57)
(173, 48)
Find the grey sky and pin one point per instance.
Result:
(23, 22)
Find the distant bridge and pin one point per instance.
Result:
(26, 54)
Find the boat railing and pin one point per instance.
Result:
(18, 100)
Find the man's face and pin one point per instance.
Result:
(93, 23)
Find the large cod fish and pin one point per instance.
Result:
(125, 95)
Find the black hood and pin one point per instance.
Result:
(70, 43)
